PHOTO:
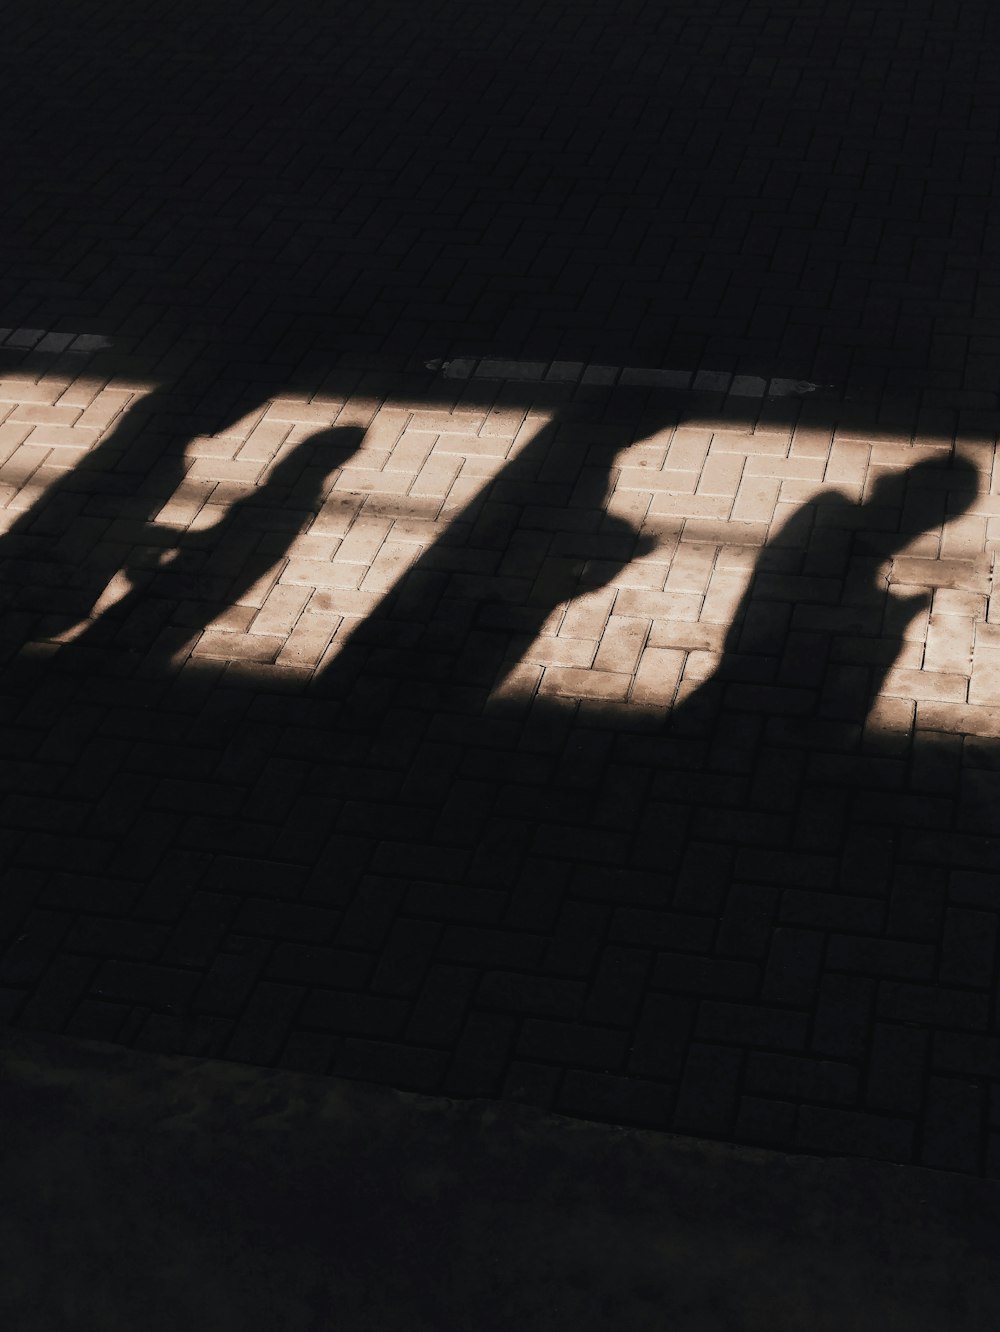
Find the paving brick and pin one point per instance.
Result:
(616, 1100)
(537, 713)
(709, 1089)
(481, 1055)
(600, 1048)
(953, 1125)
(834, 1131)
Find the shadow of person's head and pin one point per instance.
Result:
(914, 500)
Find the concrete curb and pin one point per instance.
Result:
(158, 1192)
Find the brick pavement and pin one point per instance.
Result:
(622, 749)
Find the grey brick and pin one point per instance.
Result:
(708, 1091)
(953, 1125)
(601, 1048)
(896, 1068)
(608, 1099)
(853, 1133)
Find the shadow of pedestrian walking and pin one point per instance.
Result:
(209, 569)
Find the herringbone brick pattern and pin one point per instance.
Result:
(593, 753)
(496, 574)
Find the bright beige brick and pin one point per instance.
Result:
(417, 531)
(503, 421)
(20, 391)
(410, 453)
(962, 575)
(11, 438)
(365, 480)
(238, 647)
(436, 478)
(468, 446)
(60, 436)
(926, 685)
(646, 481)
(745, 442)
(322, 573)
(389, 566)
(848, 462)
(984, 686)
(786, 469)
(571, 683)
(22, 463)
(643, 574)
(949, 601)
(234, 619)
(282, 607)
(313, 545)
(225, 469)
(701, 665)
(185, 503)
(299, 411)
(337, 515)
(742, 558)
(987, 636)
(724, 595)
(658, 605)
(364, 540)
(721, 474)
(557, 650)
(263, 442)
(949, 644)
(344, 601)
(959, 718)
(755, 500)
(104, 410)
(813, 442)
(688, 449)
(691, 568)
(480, 469)
(588, 614)
(386, 430)
(308, 641)
(622, 644)
(691, 506)
(83, 390)
(446, 423)
(34, 413)
(690, 637)
(963, 538)
(658, 675)
(719, 533)
(646, 453)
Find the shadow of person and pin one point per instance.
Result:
(777, 746)
(208, 570)
(819, 627)
(58, 557)
(527, 544)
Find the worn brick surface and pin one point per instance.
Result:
(597, 717)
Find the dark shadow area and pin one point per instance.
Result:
(771, 921)
(758, 917)
(762, 191)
